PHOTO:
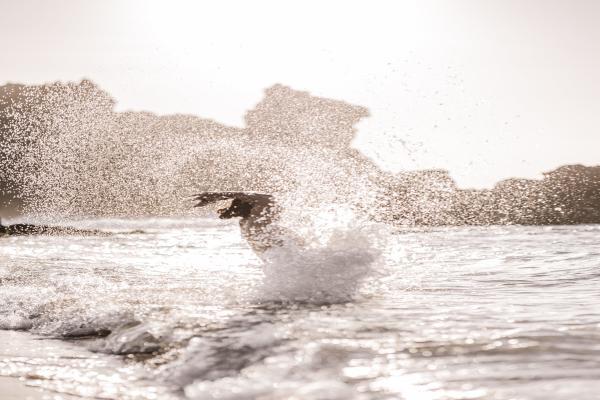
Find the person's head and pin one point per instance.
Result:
(238, 208)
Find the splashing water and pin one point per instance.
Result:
(459, 313)
(328, 271)
(71, 156)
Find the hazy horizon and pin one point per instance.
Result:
(487, 90)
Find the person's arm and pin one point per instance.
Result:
(260, 199)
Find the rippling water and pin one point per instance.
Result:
(191, 312)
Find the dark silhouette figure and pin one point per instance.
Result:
(259, 214)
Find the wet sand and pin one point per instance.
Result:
(15, 389)
(19, 348)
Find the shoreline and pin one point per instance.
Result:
(16, 389)
(15, 346)
(13, 388)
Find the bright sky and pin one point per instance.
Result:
(487, 89)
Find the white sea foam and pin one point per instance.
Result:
(15, 321)
(329, 270)
(298, 374)
(248, 389)
(452, 298)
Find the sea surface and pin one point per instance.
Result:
(183, 309)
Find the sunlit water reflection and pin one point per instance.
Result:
(452, 313)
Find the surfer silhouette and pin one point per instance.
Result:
(259, 213)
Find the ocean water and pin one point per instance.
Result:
(183, 309)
